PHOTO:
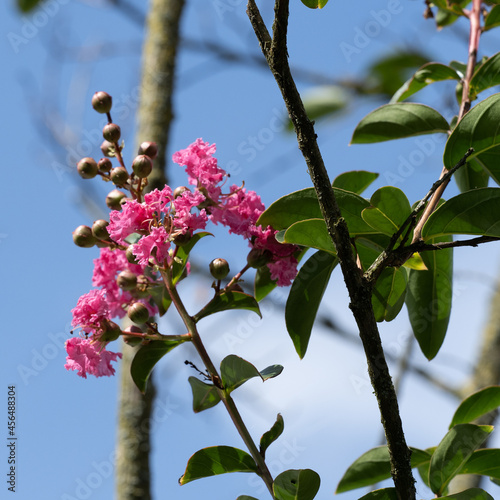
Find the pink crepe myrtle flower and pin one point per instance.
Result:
(89, 357)
(156, 244)
(134, 217)
(90, 311)
(184, 218)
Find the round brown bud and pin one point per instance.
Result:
(132, 339)
(126, 280)
(258, 257)
(149, 149)
(219, 268)
(111, 132)
(111, 331)
(130, 256)
(138, 313)
(87, 168)
(99, 229)
(119, 176)
(142, 166)
(102, 102)
(179, 190)
(108, 149)
(104, 165)
(82, 237)
(114, 199)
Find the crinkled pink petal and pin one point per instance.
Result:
(158, 200)
(186, 220)
(91, 309)
(284, 270)
(156, 240)
(132, 218)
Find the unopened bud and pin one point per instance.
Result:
(130, 256)
(108, 149)
(258, 257)
(119, 176)
(219, 268)
(132, 339)
(142, 166)
(99, 229)
(111, 331)
(179, 190)
(114, 199)
(138, 313)
(111, 132)
(87, 168)
(149, 149)
(102, 102)
(126, 280)
(104, 165)
(82, 237)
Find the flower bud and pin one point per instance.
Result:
(127, 280)
(111, 132)
(132, 339)
(258, 257)
(87, 168)
(142, 291)
(99, 229)
(179, 190)
(111, 331)
(82, 236)
(114, 199)
(142, 166)
(108, 149)
(149, 149)
(130, 256)
(138, 313)
(104, 165)
(119, 176)
(219, 268)
(102, 102)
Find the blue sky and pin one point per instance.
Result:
(54, 61)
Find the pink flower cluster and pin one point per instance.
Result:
(153, 225)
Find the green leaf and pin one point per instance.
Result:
(382, 494)
(483, 462)
(161, 298)
(478, 129)
(226, 301)
(314, 4)
(217, 460)
(310, 233)
(470, 494)
(492, 19)
(397, 121)
(27, 5)
(305, 297)
(205, 396)
(182, 255)
(146, 358)
(429, 298)
(453, 452)
(355, 181)
(235, 371)
(375, 466)
(246, 497)
(302, 484)
(303, 205)
(323, 101)
(490, 162)
(263, 284)
(271, 435)
(389, 293)
(471, 176)
(473, 212)
(389, 208)
(476, 405)
(427, 74)
(486, 76)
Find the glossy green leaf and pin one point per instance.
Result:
(423, 469)
(161, 298)
(246, 497)
(235, 371)
(397, 121)
(453, 452)
(490, 161)
(305, 297)
(355, 181)
(389, 208)
(271, 435)
(427, 74)
(27, 5)
(429, 298)
(205, 395)
(303, 205)
(182, 255)
(217, 460)
(314, 4)
(484, 462)
(389, 293)
(146, 358)
(473, 212)
(486, 76)
(492, 19)
(310, 233)
(478, 129)
(263, 284)
(470, 494)
(293, 484)
(382, 494)
(226, 301)
(471, 176)
(370, 247)
(375, 466)
(476, 405)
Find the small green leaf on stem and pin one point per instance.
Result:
(161, 298)
(295, 484)
(382, 494)
(205, 396)
(470, 494)
(476, 405)
(389, 293)
(484, 463)
(182, 255)
(272, 434)
(314, 4)
(355, 181)
(217, 460)
(226, 301)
